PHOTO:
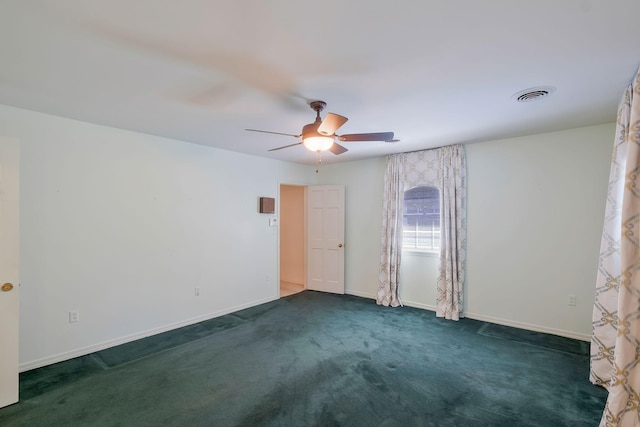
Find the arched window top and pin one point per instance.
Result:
(422, 192)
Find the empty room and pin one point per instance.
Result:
(296, 213)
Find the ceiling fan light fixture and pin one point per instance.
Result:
(313, 140)
(318, 143)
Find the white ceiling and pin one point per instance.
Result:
(435, 72)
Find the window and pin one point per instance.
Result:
(421, 221)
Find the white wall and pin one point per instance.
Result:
(536, 209)
(123, 226)
(535, 213)
(416, 270)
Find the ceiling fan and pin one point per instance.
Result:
(321, 135)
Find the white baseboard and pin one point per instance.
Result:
(530, 327)
(49, 360)
(407, 303)
(419, 305)
(490, 319)
(360, 294)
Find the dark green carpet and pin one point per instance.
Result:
(317, 359)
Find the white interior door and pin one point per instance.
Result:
(9, 235)
(325, 238)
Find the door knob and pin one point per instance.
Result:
(7, 287)
(339, 245)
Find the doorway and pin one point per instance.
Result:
(292, 239)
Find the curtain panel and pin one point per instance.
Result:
(453, 231)
(391, 252)
(615, 342)
(445, 169)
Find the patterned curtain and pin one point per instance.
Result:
(444, 168)
(422, 168)
(391, 252)
(615, 342)
(453, 229)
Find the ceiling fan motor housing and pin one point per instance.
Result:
(311, 130)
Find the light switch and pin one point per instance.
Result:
(273, 222)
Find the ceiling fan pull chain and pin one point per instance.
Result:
(319, 160)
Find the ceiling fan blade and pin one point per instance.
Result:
(331, 124)
(337, 149)
(286, 146)
(276, 133)
(380, 136)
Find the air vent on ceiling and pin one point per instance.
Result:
(534, 93)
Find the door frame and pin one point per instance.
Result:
(304, 237)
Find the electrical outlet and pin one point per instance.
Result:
(74, 316)
(572, 300)
(196, 292)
